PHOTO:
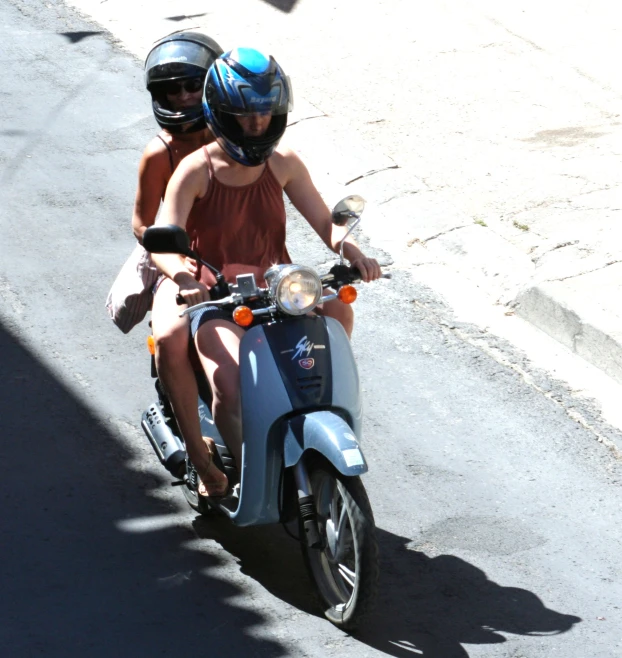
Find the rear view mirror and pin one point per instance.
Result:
(168, 239)
(348, 210)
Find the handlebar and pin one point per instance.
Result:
(341, 275)
(338, 276)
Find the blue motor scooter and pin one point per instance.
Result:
(301, 419)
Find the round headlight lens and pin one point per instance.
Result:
(296, 289)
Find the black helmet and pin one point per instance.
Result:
(244, 82)
(179, 56)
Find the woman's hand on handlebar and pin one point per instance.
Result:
(368, 267)
(193, 292)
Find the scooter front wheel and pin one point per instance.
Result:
(345, 570)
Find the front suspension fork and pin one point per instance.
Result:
(306, 505)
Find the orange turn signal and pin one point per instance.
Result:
(347, 294)
(243, 316)
(151, 345)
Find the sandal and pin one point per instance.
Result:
(213, 488)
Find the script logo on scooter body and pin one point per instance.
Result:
(303, 346)
(308, 357)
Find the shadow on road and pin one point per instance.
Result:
(285, 6)
(77, 36)
(74, 583)
(183, 17)
(430, 606)
(268, 555)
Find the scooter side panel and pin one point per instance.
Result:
(264, 399)
(346, 385)
(329, 435)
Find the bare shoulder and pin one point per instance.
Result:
(286, 154)
(154, 169)
(194, 162)
(192, 173)
(155, 150)
(287, 164)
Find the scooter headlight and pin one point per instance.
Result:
(295, 289)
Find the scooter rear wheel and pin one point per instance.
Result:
(346, 569)
(198, 503)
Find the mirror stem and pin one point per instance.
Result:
(345, 237)
(195, 256)
(221, 289)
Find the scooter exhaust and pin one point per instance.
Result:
(170, 450)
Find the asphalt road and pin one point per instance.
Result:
(498, 515)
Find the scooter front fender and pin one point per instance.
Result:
(328, 434)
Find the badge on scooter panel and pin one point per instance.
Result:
(296, 341)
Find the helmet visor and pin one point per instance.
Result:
(177, 59)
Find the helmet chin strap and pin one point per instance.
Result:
(179, 122)
(192, 127)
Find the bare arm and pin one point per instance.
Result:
(153, 174)
(188, 183)
(307, 200)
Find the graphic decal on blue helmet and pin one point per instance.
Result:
(245, 82)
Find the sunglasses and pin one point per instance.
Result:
(174, 87)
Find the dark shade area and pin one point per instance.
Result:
(284, 5)
(70, 574)
(183, 17)
(76, 37)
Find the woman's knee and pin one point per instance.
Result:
(344, 313)
(171, 333)
(226, 385)
(171, 339)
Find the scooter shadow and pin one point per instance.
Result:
(266, 554)
(428, 606)
(431, 606)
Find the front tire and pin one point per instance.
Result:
(346, 569)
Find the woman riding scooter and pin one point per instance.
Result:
(175, 71)
(229, 197)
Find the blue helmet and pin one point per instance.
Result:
(241, 83)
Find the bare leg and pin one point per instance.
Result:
(218, 346)
(172, 337)
(339, 311)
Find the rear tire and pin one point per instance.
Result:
(192, 497)
(346, 571)
(198, 503)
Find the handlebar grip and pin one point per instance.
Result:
(355, 273)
